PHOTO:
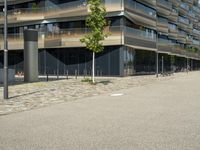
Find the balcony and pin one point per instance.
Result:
(65, 38)
(182, 36)
(162, 25)
(79, 8)
(119, 36)
(69, 9)
(190, 28)
(183, 52)
(114, 5)
(196, 23)
(164, 46)
(173, 31)
(139, 39)
(196, 43)
(184, 8)
(71, 37)
(151, 3)
(175, 3)
(189, 2)
(196, 33)
(196, 9)
(16, 41)
(174, 15)
(12, 2)
(183, 22)
(191, 15)
(189, 40)
(23, 15)
(164, 7)
(140, 13)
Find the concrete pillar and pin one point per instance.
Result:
(30, 55)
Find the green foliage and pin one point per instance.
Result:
(87, 80)
(34, 6)
(192, 49)
(96, 22)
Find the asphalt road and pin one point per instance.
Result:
(162, 116)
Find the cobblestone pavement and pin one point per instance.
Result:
(27, 96)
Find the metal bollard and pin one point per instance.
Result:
(76, 74)
(101, 73)
(67, 76)
(57, 74)
(162, 66)
(97, 72)
(47, 77)
(84, 73)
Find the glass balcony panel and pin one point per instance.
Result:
(184, 20)
(165, 3)
(184, 6)
(162, 20)
(140, 33)
(130, 4)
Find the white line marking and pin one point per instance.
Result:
(115, 95)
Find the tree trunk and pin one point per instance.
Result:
(93, 68)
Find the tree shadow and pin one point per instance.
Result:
(104, 82)
(25, 94)
(21, 81)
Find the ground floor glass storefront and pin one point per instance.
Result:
(114, 61)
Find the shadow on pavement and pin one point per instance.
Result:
(20, 81)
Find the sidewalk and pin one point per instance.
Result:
(35, 95)
(161, 115)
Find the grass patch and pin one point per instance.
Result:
(39, 84)
(88, 80)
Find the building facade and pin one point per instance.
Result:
(139, 30)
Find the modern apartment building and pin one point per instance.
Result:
(139, 30)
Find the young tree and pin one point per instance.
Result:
(96, 22)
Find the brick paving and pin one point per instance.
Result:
(27, 96)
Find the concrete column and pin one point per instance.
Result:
(30, 55)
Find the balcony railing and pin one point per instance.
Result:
(133, 5)
(79, 32)
(191, 14)
(173, 27)
(117, 34)
(64, 36)
(184, 6)
(20, 36)
(139, 34)
(163, 41)
(23, 11)
(197, 32)
(195, 8)
(184, 20)
(196, 42)
(162, 20)
(165, 3)
(68, 5)
(41, 13)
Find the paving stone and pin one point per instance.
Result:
(27, 96)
